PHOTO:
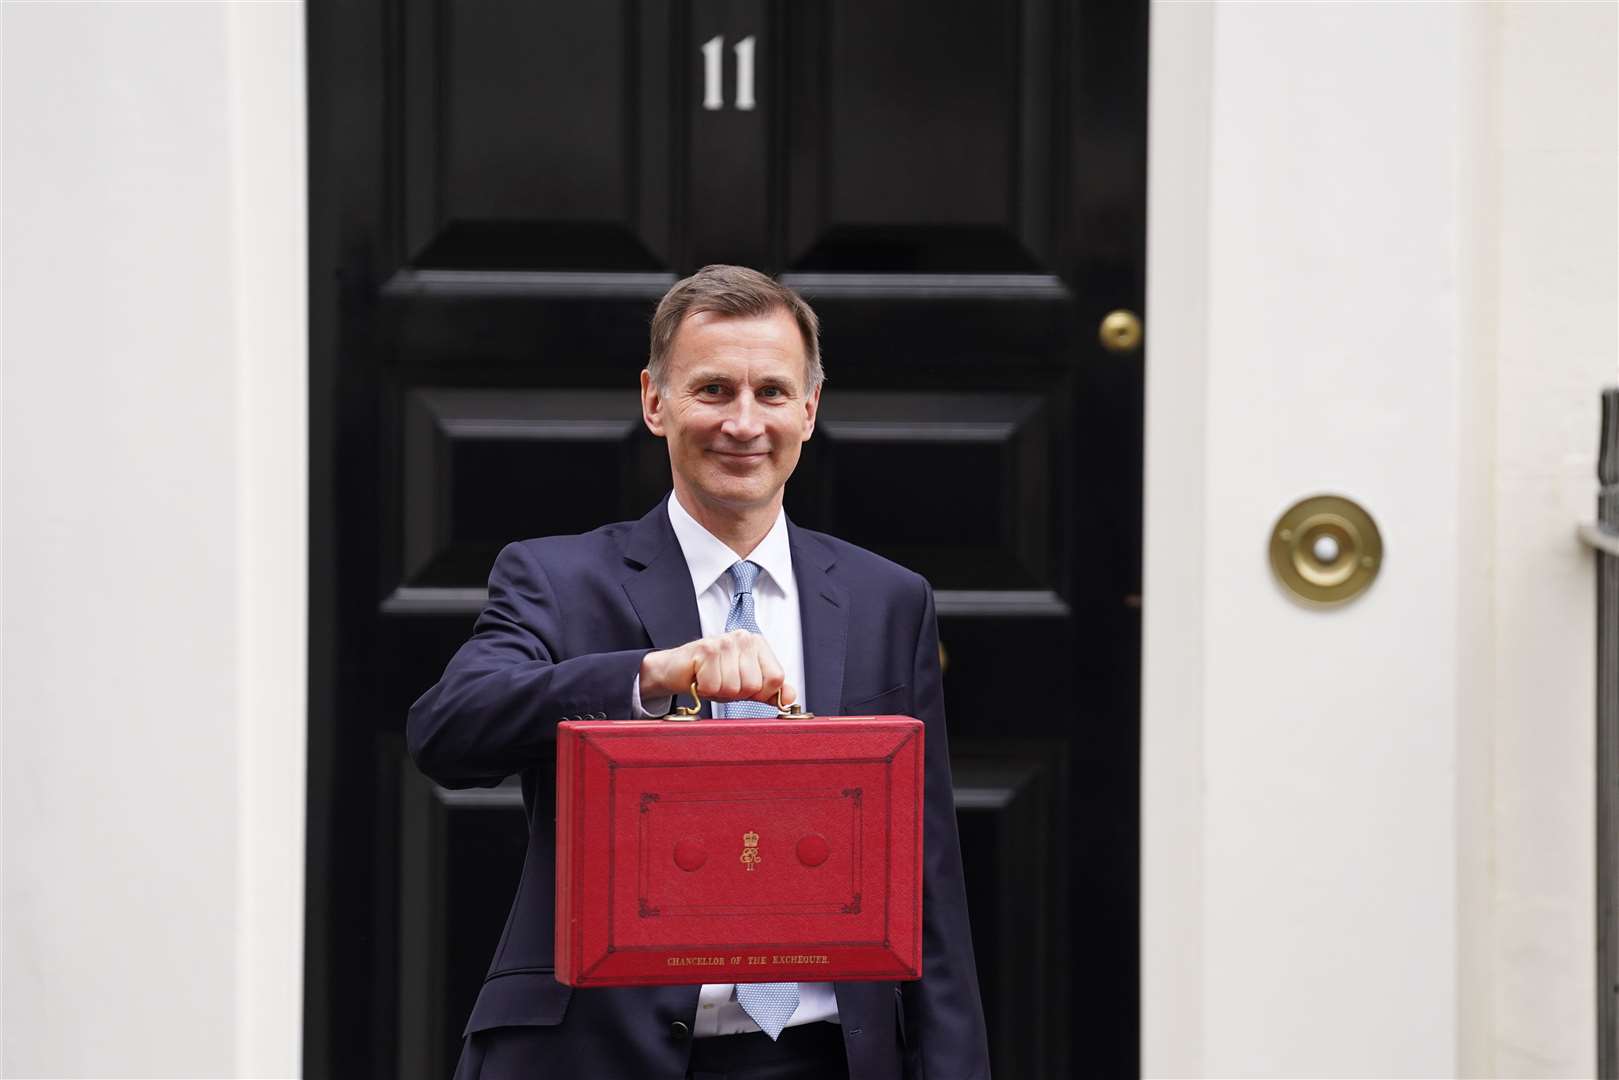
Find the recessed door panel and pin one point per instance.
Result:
(958, 486)
(535, 135)
(919, 137)
(484, 467)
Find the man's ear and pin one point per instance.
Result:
(651, 404)
(812, 405)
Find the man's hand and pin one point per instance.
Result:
(736, 666)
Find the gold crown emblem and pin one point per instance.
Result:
(750, 839)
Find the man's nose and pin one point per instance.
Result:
(746, 422)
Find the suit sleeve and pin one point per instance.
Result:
(495, 710)
(943, 1007)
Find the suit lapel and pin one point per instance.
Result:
(823, 609)
(661, 591)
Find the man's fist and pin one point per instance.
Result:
(736, 666)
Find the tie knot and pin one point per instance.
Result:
(743, 575)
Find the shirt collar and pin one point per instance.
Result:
(709, 558)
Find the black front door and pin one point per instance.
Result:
(499, 194)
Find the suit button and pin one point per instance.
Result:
(678, 1031)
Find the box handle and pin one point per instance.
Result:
(688, 713)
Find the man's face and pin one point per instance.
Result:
(735, 410)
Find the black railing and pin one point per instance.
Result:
(1604, 537)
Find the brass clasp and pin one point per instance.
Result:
(795, 711)
(683, 713)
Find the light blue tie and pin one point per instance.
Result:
(770, 1004)
(741, 617)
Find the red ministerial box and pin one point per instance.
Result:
(739, 851)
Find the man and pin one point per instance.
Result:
(713, 587)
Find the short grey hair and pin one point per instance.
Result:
(738, 292)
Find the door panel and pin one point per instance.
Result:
(461, 853)
(919, 137)
(499, 195)
(535, 135)
(727, 172)
(480, 469)
(956, 484)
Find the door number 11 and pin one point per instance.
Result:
(714, 74)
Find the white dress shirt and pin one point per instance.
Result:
(775, 605)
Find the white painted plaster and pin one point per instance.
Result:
(1381, 263)
(153, 493)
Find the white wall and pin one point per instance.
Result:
(153, 495)
(1381, 262)
(1557, 333)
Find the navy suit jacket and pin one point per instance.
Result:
(562, 636)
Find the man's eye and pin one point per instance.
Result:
(713, 388)
(770, 391)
